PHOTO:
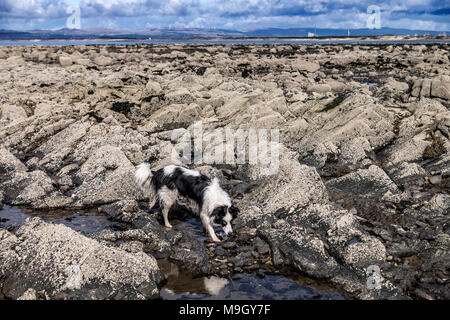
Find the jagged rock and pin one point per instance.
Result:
(9, 163)
(291, 247)
(406, 171)
(153, 88)
(355, 117)
(65, 61)
(439, 204)
(371, 182)
(106, 176)
(66, 265)
(302, 65)
(396, 86)
(103, 61)
(438, 87)
(319, 88)
(11, 112)
(191, 255)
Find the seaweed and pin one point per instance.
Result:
(122, 107)
(333, 104)
(435, 149)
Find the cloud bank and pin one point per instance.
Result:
(233, 14)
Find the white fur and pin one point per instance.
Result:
(227, 228)
(143, 177)
(190, 172)
(171, 168)
(167, 198)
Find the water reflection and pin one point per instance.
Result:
(183, 285)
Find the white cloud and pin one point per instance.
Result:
(238, 14)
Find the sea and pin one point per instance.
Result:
(211, 42)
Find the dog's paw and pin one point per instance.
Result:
(169, 226)
(216, 240)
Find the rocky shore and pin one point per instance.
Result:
(363, 175)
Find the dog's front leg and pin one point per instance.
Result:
(165, 212)
(206, 223)
(152, 203)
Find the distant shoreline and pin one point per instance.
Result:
(244, 40)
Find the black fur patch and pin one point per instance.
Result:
(192, 187)
(218, 214)
(234, 211)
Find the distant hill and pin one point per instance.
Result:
(189, 33)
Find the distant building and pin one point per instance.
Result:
(311, 35)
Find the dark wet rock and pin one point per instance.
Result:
(307, 255)
(245, 234)
(250, 268)
(435, 149)
(125, 210)
(238, 276)
(220, 251)
(148, 234)
(241, 259)
(229, 245)
(190, 254)
(438, 205)
(67, 265)
(401, 251)
(261, 246)
(371, 182)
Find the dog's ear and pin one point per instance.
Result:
(234, 210)
(218, 214)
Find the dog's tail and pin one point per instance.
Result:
(144, 179)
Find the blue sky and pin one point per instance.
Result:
(234, 14)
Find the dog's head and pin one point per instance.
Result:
(223, 215)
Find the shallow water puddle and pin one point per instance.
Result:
(84, 222)
(182, 285)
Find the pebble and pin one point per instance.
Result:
(221, 251)
(64, 188)
(229, 245)
(238, 276)
(252, 267)
(436, 180)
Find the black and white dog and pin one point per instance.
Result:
(210, 201)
